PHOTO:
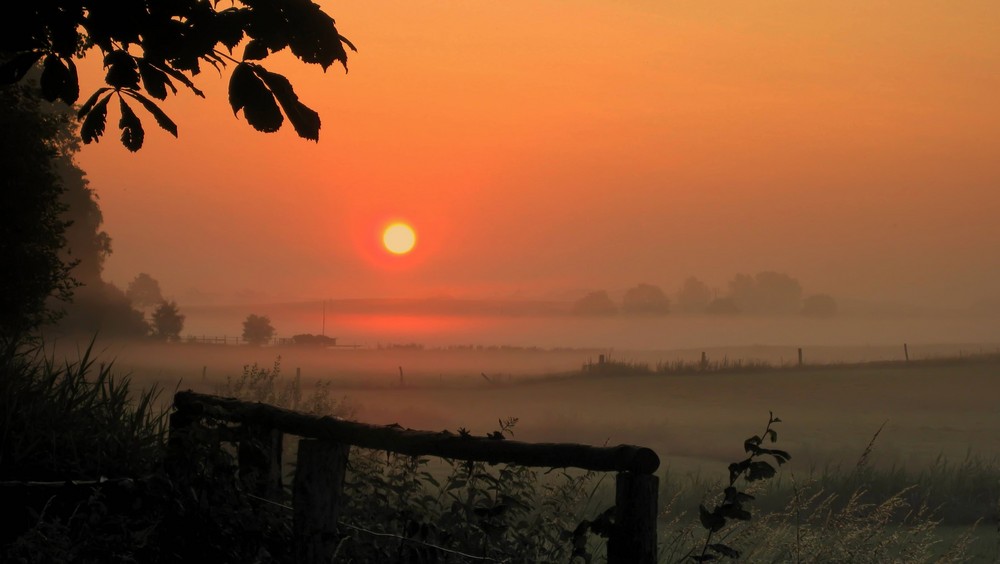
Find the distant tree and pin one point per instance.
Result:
(767, 292)
(819, 305)
(743, 292)
(645, 299)
(101, 307)
(722, 306)
(595, 303)
(778, 292)
(694, 296)
(257, 329)
(34, 275)
(144, 291)
(168, 321)
(147, 46)
(309, 339)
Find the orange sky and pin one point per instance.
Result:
(543, 146)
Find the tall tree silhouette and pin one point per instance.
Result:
(32, 229)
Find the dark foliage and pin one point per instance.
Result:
(257, 329)
(76, 420)
(144, 291)
(32, 226)
(314, 340)
(101, 307)
(731, 508)
(151, 46)
(168, 321)
(694, 296)
(766, 292)
(595, 303)
(86, 244)
(645, 299)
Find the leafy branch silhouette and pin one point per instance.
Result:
(149, 45)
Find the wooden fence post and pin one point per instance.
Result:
(633, 540)
(259, 455)
(178, 456)
(316, 493)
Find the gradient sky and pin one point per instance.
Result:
(544, 146)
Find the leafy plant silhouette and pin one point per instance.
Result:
(731, 508)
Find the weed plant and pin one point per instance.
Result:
(400, 511)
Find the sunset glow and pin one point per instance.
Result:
(653, 226)
(399, 238)
(542, 149)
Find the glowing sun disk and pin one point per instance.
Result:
(399, 238)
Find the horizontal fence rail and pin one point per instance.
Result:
(621, 458)
(325, 447)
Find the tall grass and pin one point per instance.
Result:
(960, 493)
(946, 512)
(81, 420)
(622, 367)
(74, 420)
(402, 508)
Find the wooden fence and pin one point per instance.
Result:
(324, 447)
(227, 340)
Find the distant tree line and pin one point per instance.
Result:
(765, 293)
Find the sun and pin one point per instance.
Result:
(399, 238)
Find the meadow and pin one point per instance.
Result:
(930, 406)
(936, 420)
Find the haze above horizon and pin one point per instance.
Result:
(546, 148)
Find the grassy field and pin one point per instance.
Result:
(691, 419)
(694, 420)
(939, 421)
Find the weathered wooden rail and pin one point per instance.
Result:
(325, 446)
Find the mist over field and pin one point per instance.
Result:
(652, 224)
(436, 371)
